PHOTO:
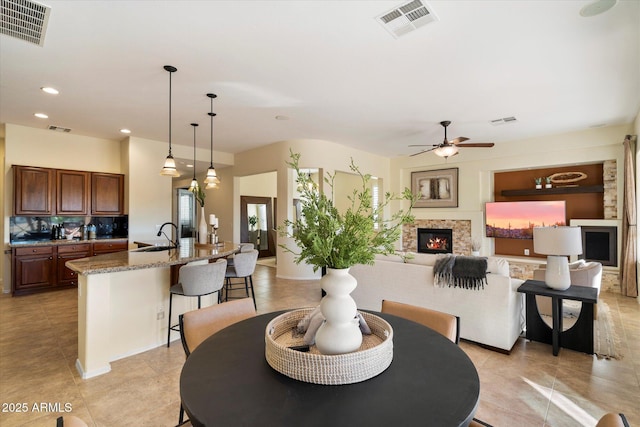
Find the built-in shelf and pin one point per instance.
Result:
(554, 190)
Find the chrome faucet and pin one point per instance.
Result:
(160, 232)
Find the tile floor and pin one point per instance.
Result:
(529, 387)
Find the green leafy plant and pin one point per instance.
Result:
(199, 194)
(328, 238)
(253, 221)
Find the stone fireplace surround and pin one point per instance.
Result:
(461, 233)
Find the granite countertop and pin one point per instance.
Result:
(137, 259)
(19, 244)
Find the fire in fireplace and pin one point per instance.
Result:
(435, 240)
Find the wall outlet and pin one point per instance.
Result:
(160, 314)
(526, 252)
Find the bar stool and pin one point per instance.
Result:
(244, 247)
(196, 281)
(244, 264)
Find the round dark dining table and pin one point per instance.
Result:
(226, 381)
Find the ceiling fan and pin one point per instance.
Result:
(449, 148)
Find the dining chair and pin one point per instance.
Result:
(244, 264)
(443, 323)
(613, 420)
(70, 421)
(196, 280)
(198, 325)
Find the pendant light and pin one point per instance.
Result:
(194, 181)
(211, 179)
(169, 168)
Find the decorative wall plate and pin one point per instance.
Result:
(567, 177)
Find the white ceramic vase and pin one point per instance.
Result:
(202, 227)
(340, 333)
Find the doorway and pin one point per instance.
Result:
(186, 213)
(256, 224)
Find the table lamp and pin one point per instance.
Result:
(557, 243)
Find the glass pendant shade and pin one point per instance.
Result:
(169, 168)
(446, 151)
(212, 186)
(211, 177)
(194, 185)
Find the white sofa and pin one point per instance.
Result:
(492, 316)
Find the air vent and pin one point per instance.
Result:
(503, 121)
(59, 129)
(25, 20)
(406, 18)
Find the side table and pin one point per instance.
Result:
(580, 336)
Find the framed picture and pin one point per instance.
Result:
(436, 188)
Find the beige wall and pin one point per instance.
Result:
(46, 148)
(149, 195)
(314, 154)
(477, 165)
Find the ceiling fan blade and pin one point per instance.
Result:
(477, 144)
(424, 151)
(458, 140)
(423, 145)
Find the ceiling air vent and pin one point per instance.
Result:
(25, 20)
(503, 121)
(406, 18)
(59, 129)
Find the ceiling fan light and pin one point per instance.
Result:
(446, 151)
(169, 168)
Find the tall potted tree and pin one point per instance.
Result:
(328, 238)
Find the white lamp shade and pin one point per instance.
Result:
(557, 240)
(169, 168)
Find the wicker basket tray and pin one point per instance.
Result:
(373, 357)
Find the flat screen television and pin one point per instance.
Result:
(516, 220)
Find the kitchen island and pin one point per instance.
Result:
(123, 298)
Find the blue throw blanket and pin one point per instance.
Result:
(460, 271)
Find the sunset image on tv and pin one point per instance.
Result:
(516, 220)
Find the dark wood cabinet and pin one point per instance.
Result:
(34, 190)
(72, 192)
(42, 268)
(46, 192)
(107, 194)
(66, 276)
(34, 269)
(106, 247)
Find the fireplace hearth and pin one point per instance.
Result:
(435, 240)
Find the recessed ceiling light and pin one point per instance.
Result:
(50, 90)
(41, 115)
(189, 165)
(125, 131)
